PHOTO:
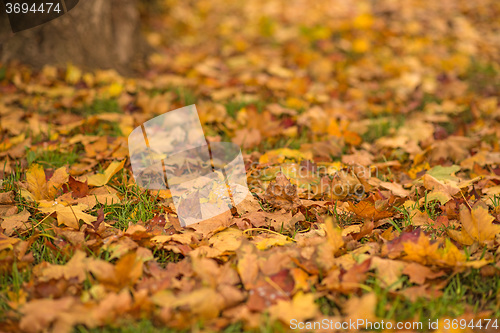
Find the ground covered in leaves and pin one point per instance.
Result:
(370, 133)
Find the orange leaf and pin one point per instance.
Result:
(367, 210)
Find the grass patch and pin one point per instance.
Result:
(382, 126)
(136, 205)
(52, 158)
(483, 78)
(11, 282)
(464, 291)
(143, 326)
(99, 106)
(234, 106)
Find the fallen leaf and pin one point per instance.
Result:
(39, 188)
(477, 222)
(361, 308)
(101, 179)
(419, 273)
(263, 242)
(367, 210)
(334, 235)
(301, 307)
(70, 215)
(16, 222)
(79, 189)
(76, 269)
(281, 193)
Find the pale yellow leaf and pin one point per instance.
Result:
(302, 307)
(478, 222)
(101, 179)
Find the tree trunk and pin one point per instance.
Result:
(94, 34)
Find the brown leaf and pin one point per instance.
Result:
(7, 197)
(455, 148)
(282, 194)
(247, 265)
(419, 273)
(40, 314)
(17, 222)
(79, 189)
(247, 138)
(6, 210)
(212, 225)
(75, 269)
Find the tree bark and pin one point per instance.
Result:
(95, 34)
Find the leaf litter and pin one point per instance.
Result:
(371, 152)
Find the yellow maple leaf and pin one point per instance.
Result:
(38, 188)
(302, 307)
(35, 176)
(101, 179)
(477, 223)
(436, 253)
(226, 240)
(422, 251)
(70, 215)
(59, 178)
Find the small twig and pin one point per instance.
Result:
(275, 286)
(36, 225)
(466, 202)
